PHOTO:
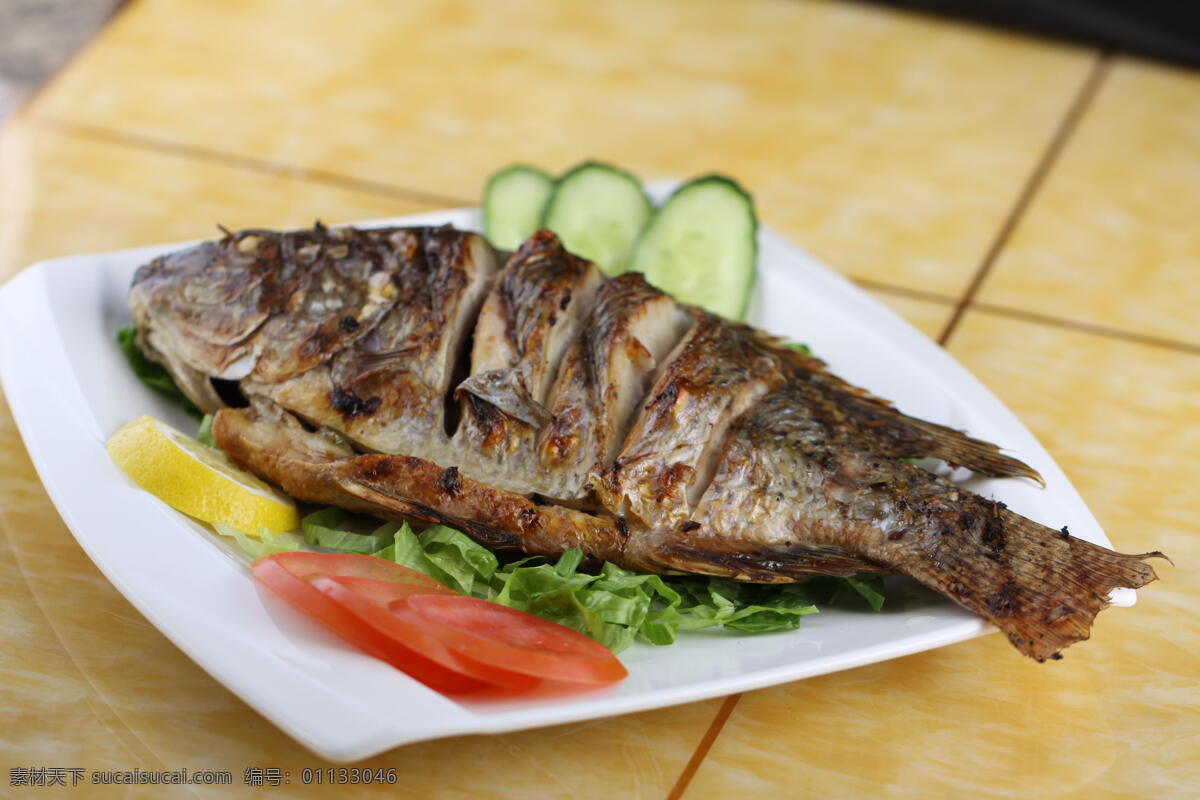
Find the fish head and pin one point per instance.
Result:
(196, 310)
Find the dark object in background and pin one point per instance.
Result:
(1166, 29)
(38, 36)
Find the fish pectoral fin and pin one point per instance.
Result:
(748, 561)
(366, 364)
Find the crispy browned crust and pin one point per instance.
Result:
(532, 314)
(275, 446)
(718, 371)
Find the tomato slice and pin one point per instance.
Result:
(447, 641)
(381, 593)
(351, 565)
(276, 571)
(368, 600)
(503, 637)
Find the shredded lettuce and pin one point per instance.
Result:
(801, 348)
(614, 606)
(447, 556)
(151, 374)
(264, 544)
(204, 434)
(321, 529)
(869, 587)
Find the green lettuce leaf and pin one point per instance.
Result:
(869, 587)
(803, 349)
(204, 434)
(264, 544)
(614, 606)
(468, 565)
(151, 374)
(321, 529)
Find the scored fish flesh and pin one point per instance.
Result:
(536, 406)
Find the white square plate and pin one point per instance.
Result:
(69, 388)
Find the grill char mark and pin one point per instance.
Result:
(537, 309)
(603, 381)
(387, 391)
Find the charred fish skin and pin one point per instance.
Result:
(269, 306)
(388, 390)
(197, 310)
(603, 379)
(354, 330)
(316, 467)
(256, 301)
(716, 372)
(800, 490)
(536, 309)
(669, 440)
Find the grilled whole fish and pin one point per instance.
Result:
(405, 373)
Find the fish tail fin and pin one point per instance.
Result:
(1061, 619)
(1043, 588)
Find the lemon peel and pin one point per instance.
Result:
(198, 480)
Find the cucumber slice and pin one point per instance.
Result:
(513, 203)
(701, 246)
(598, 211)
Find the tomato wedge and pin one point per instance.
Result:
(503, 637)
(285, 573)
(369, 599)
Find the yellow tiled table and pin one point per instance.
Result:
(1033, 205)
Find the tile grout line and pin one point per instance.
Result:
(903, 291)
(701, 752)
(251, 163)
(254, 164)
(1063, 323)
(1087, 92)
(1079, 326)
(1058, 141)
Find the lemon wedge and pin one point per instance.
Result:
(198, 480)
